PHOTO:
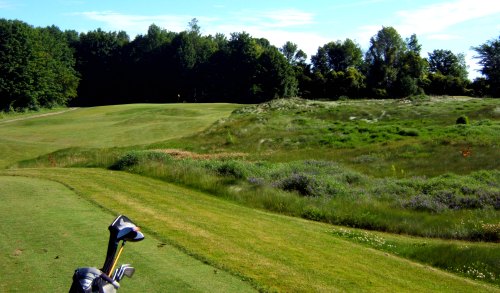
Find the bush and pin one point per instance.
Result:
(126, 161)
(462, 120)
(409, 132)
(424, 203)
(313, 213)
(231, 169)
(303, 184)
(419, 98)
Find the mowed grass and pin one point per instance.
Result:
(273, 252)
(107, 126)
(48, 231)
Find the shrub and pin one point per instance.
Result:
(301, 183)
(424, 203)
(313, 213)
(409, 132)
(256, 181)
(232, 169)
(419, 98)
(462, 120)
(126, 161)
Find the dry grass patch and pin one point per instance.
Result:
(181, 154)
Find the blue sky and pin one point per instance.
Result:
(442, 24)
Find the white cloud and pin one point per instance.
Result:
(365, 33)
(349, 4)
(6, 4)
(437, 18)
(434, 21)
(443, 37)
(139, 24)
(276, 25)
(306, 41)
(286, 18)
(473, 66)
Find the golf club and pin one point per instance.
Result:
(89, 279)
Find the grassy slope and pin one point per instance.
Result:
(377, 137)
(46, 225)
(109, 126)
(276, 252)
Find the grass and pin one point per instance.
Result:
(104, 127)
(8, 117)
(48, 231)
(272, 251)
(385, 177)
(369, 136)
(460, 258)
(447, 206)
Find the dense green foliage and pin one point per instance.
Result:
(36, 67)
(489, 58)
(45, 67)
(163, 66)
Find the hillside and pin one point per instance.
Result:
(208, 184)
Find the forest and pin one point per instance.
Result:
(48, 67)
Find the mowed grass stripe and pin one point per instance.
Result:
(48, 231)
(276, 252)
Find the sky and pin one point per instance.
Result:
(455, 25)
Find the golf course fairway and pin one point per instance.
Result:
(55, 219)
(48, 231)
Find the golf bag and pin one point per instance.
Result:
(90, 280)
(93, 280)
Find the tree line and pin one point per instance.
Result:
(46, 67)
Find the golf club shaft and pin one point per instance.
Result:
(116, 259)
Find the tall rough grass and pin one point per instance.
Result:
(448, 206)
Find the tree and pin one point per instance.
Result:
(412, 69)
(337, 68)
(338, 56)
(293, 54)
(447, 73)
(384, 58)
(194, 27)
(489, 58)
(36, 67)
(276, 77)
(447, 63)
(53, 66)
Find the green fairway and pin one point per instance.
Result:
(48, 231)
(109, 126)
(275, 252)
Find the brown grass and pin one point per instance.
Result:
(181, 154)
